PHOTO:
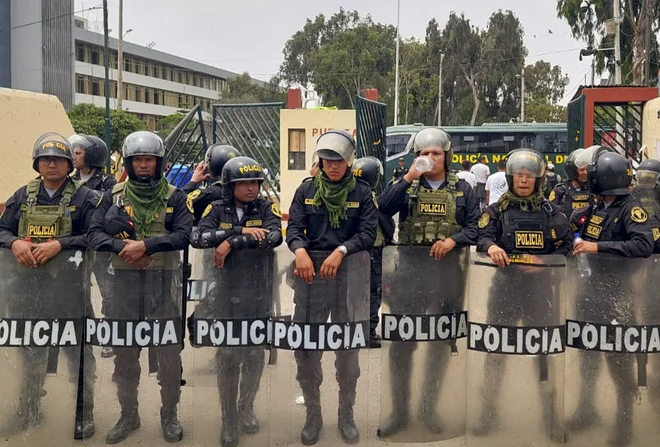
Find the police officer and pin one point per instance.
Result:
(370, 169)
(615, 224)
(504, 229)
(551, 179)
(439, 210)
(90, 155)
(400, 170)
(572, 194)
(53, 200)
(143, 221)
(241, 220)
(645, 189)
(320, 219)
(210, 170)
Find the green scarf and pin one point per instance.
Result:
(333, 195)
(147, 202)
(532, 202)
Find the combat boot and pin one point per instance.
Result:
(84, 428)
(129, 421)
(252, 369)
(585, 417)
(228, 374)
(346, 422)
(314, 421)
(429, 418)
(488, 421)
(172, 430)
(622, 432)
(398, 420)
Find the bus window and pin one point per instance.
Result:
(396, 144)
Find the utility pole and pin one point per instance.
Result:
(593, 70)
(617, 43)
(120, 56)
(108, 139)
(396, 74)
(647, 42)
(522, 96)
(442, 56)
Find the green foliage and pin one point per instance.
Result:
(243, 89)
(90, 119)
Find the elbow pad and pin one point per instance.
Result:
(272, 240)
(208, 239)
(240, 242)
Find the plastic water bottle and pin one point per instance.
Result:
(423, 164)
(584, 270)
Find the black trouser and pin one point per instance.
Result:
(376, 287)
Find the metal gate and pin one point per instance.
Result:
(371, 128)
(576, 124)
(254, 129)
(185, 146)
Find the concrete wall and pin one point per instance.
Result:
(5, 43)
(57, 31)
(28, 115)
(26, 45)
(315, 123)
(651, 127)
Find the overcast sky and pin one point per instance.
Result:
(248, 35)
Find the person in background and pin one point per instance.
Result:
(551, 180)
(466, 175)
(400, 170)
(496, 185)
(481, 171)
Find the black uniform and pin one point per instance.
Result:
(201, 198)
(99, 181)
(569, 198)
(139, 294)
(46, 301)
(309, 228)
(399, 172)
(551, 180)
(655, 228)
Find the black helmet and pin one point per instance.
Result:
(216, 157)
(609, 174)
(143, 143)
(238, 169)
(648, 173)
(570, 167)
(96, 151)
(529, 160)
(52, 144)
(369, 169)
(335, 145)
(434, 137)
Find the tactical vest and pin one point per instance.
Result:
(43, 222)
(162, 260)
(432, 214)
(575, 199)
(526, 232)
(551, 182)
(593, 229)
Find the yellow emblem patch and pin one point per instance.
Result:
(42, 231)
(207, 210)
(310, 202)
(71, 208)
(656, 234)
(638, 215)
(581, 198)
(275, 209)
(552, 196)
(553, 233)
(191, 198)
(529, 239)
(433, 208)
(596, 220)
(253, 223)
(485, 219)
(352, 204)
(594, 230)
(225, 225)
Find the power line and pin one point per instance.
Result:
(50, 18)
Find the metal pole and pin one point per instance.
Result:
(647, 43)
(396, 74)
(120, 56)
(617, 44)
(522, 96)
(593, 69)
(442, 56)
(108, 139)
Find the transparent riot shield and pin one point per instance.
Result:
(41, 313)
(138, 316)
(424, 330)
(515, 363)
(612, 360)
(231, 386)
(326, 315)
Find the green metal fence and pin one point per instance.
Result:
(186, 144)
(371, 128)
(254, 129)
(576, 124)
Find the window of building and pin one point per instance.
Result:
(79, 23)
(138, 96)
(80, 52)
(81, 84)
(157, 97)
(95, 57)
(128, 64)
(147, 95)
(96, 88)
(296, 149)
(182, 77)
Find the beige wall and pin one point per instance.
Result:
(315, 123)
(651, 127)
(24, 116)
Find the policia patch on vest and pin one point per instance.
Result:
(42, 231)
(191, 198)
(529, 239)
(485, 219)
(433, 208)
(208, 209)
(638, 215)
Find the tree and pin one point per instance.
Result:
(545, 86)
(90, 119)
(243, 89)
(586, 21)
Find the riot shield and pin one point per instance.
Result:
(515, 363)
(326, 315)
(612, 360)
(139, 315)
(424, 330)
(231, 386)
(42, 310)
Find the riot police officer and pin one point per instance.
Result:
(210, 170)
(522, 222)
(144, 222)
(439, 210)
(552, 179)
(615, 224)
(240, 221)
(370, 169)
(400, 170)
(90, 154)
(645, 189)
(320, 219)
(572, 194)
(50, 214)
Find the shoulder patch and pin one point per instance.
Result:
(656, 234)
(191, 198)
(485, 219)
(638, 214)
(552, 196)
(275, 209)
(208, 209)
